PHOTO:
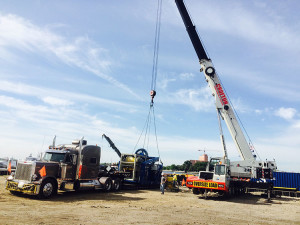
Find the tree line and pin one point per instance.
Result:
(187, 167)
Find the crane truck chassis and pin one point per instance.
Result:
(222, 175)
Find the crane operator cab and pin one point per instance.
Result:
(216, 170)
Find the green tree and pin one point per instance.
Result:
(199, 166)
(187, 165)
(174, 167)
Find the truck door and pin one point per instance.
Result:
(220, 173)
(68, 167)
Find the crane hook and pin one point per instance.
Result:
(152, 94)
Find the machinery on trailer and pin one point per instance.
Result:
(65, 167)
(222, 175)
(143, 170)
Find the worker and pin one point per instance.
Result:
(175, 184)
(163, 183)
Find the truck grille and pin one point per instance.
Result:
(24, 171)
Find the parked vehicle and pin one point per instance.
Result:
(65, 167)
(76, 167)
(222, 175)
(7, 165)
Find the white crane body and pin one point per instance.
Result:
(226, 177)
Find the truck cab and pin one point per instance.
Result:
(72, 166)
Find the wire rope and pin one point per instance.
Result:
(146, 132)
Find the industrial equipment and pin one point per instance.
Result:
(143, 170)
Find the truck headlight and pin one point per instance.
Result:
(34, 177)
(10, 177)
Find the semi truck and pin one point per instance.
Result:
(74, 166)
(222, 175)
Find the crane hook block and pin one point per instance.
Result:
(152, 94)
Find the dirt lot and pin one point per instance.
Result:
(144, 207)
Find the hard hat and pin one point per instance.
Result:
(162, 173)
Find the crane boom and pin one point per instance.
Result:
(191, 29)
(222, 104)
(112, 145)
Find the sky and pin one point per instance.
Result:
(84, 68)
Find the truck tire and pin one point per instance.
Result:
(196, 191)
(116, 184)
(106, 183)
(48, 189)
(17, 193)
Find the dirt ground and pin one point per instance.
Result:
(144, 207)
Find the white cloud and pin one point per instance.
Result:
(187, 76)
(19, 33)
(259, 25)
(286, 113)
(51, 95)
(198, 99)
(56, 101)
(163, 83)
(21, 105)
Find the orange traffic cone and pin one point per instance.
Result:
(9, 167)
(183, 182)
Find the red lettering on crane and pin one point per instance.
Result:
(221, 94)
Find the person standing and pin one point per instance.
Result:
(163, 181)
(175, 181)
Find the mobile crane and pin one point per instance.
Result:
(227, 177)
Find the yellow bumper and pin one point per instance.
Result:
(22, 187)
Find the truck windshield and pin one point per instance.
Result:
(53, 156)
(220, 169)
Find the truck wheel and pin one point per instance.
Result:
(196, 191)
(17, 193)
(47, 189)
(116, 184)
(106, 183)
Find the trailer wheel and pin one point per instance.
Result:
(48, 189)
(106, 183)
(116, 184)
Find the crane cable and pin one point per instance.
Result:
(156, 44)
(147, 126)
(251, 145)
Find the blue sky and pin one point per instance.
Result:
(83, 68)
